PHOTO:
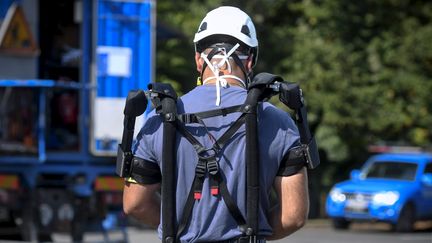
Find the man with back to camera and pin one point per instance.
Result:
(225, 34)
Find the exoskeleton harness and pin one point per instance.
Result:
(164, 100)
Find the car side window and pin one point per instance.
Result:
(428, 168)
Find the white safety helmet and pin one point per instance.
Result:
(224, 23)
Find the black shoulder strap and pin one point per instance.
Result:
(256, 93)
(249, 226)
(168, 178)
(207, 162)
(252, 164)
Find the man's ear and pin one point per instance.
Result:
(198, 62)
(249, 63)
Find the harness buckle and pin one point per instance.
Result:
(213, 167)
(207, 154)
(200, 168)
(187, 118)
(197, 186)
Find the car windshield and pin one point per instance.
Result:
(391, 170)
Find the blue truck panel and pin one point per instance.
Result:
(127, 25)
(124, 57)
(119, 41)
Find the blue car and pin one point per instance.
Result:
(392, 188)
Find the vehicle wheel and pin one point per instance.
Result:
(77, 232)
(79, 222)
(340, 223)
(29, 226)
(10, 231)
(406, 220)
(44, 237)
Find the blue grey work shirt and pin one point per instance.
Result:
(211, 220)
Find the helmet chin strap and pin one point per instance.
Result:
(222, 64)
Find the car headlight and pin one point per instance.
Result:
(337, 196)
(385, 198)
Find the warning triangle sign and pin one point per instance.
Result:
(15, 34)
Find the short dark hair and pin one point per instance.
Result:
(213, 40)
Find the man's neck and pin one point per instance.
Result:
(230, 81)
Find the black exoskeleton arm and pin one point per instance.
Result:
(136, 104)
(292, 96)
(164, 99)
(158, 93)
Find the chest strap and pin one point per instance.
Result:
(199, 116)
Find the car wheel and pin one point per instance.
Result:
(406, 220)
(340, 223)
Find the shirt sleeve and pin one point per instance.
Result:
(279, 135)
(291, 163)
(145, 164)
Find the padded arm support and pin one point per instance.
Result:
(136, 104)
(291, 95)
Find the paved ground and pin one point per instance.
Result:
(316, 231)
(358, 233)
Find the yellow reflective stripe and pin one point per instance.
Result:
(109, 184)
(9, 182)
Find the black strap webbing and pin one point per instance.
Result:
(187, 212)
(199, 116)
(145, 172)
(240, 64)
(195, 143)
(220, 143)
(231, 205)
(218, 177)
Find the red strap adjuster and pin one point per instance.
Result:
(197, 195)
(214, 191)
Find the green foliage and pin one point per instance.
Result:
(365, 66)
(175, 57)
